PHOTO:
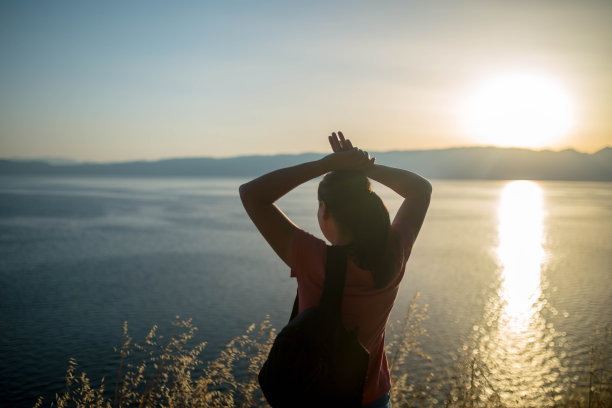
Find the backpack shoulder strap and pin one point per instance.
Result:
(335, 276)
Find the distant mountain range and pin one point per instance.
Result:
(455, 163)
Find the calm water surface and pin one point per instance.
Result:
(516, 275)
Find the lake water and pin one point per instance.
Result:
(516, 274)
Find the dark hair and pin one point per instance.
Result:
(348, 196)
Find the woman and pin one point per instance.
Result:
(351, 214)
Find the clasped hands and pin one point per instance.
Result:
(345, 156)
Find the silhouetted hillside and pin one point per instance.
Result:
(456, 163)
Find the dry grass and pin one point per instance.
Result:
(168, 372)
(163, 372)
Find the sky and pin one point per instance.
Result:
(144, 80)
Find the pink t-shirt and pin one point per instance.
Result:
(363, 305)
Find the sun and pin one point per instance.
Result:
(518, 109)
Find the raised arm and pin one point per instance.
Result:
(258, 196)
(415, 189)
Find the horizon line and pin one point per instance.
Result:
(70, 161)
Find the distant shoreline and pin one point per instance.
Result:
(463, 163)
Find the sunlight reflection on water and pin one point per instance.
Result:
(520, 253)
(515, 356)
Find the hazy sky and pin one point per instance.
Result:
(104, 80)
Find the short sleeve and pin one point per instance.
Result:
(306, 252)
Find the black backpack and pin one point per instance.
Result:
(315, 361)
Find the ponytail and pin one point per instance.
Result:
(359, 211)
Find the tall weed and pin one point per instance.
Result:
(168, 372)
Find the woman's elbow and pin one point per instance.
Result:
(427, 187)
(244, 192)
(248, 194)
(424, 188)
(242, 189)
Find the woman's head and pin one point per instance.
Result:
(360, 214)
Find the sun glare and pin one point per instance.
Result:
(521, 110)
